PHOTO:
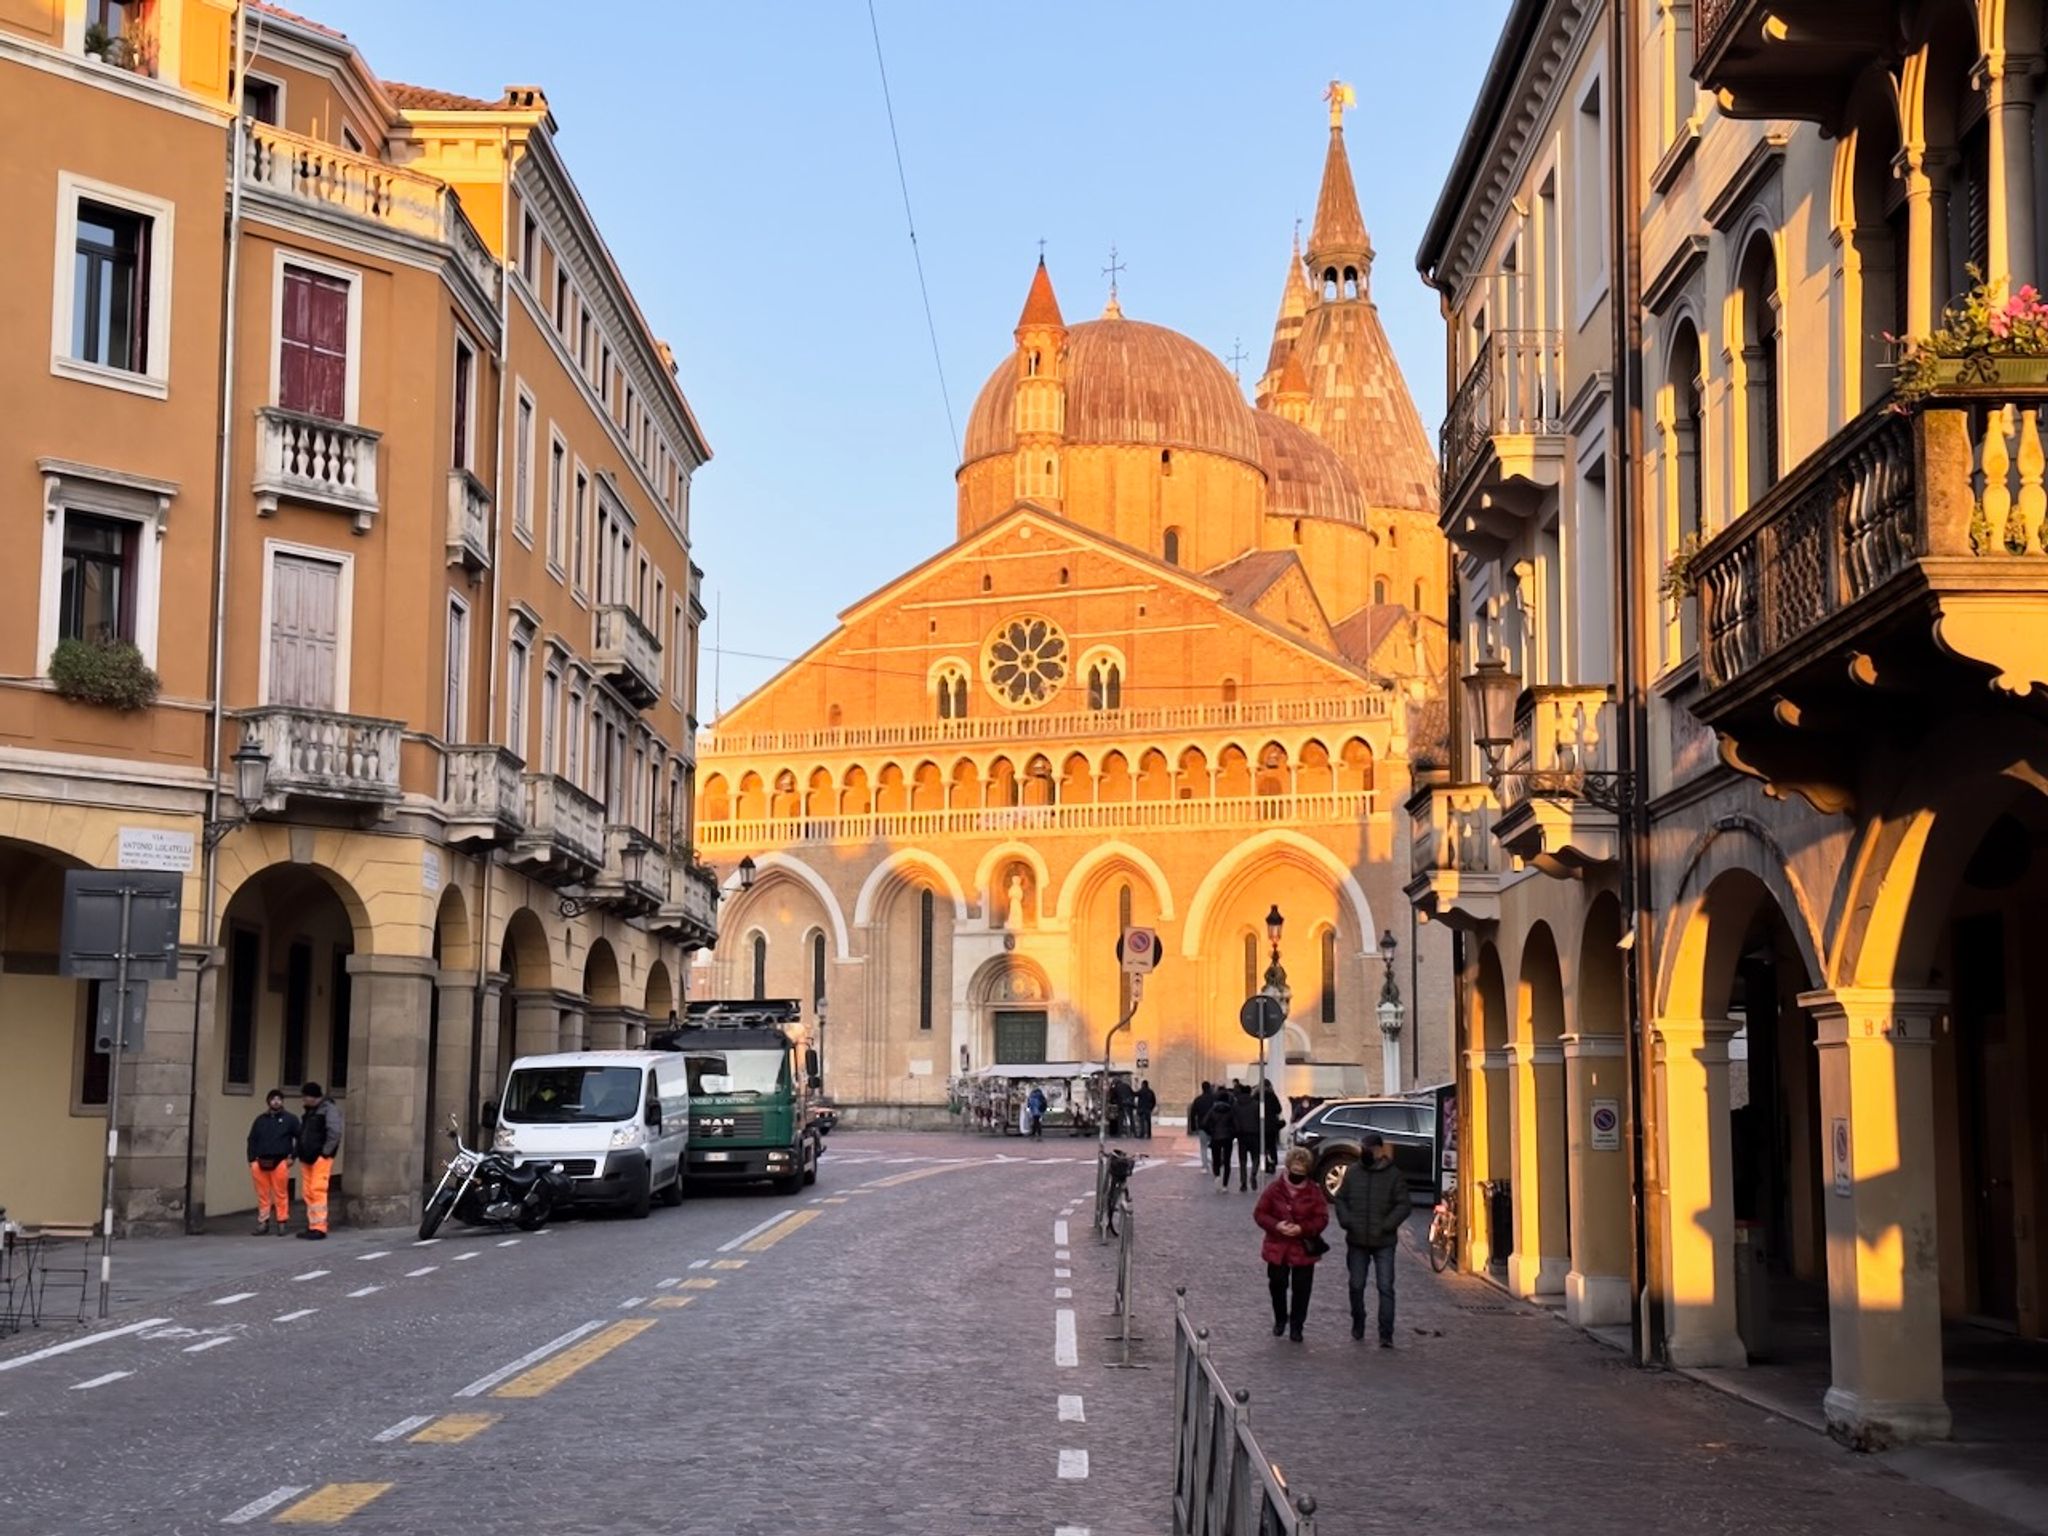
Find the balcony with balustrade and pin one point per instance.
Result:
(1554, 815)
(632, 880)
(311, 461)
(625, 650)
(1906, 560)
(689, 912)
(316, 754)
(563, 841)
(1454, 862)
(1502, 441)
(1788, 58)
(483, 796)
(469, 521)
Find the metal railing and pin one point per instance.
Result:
(1513, 388)
(1224, 1484)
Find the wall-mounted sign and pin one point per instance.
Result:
(1606, 1125)
(154, 848)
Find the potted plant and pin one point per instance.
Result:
(1679, 581)
(109, 673)
(1985, 337)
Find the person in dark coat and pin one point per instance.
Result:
(1244, 1105)
(1293, 1211)
(1221, 1125)
(1119, 1108)
(1371, 1203)
(1198, 1115)
(273, 1140)
(1146, 1101)
(1276, 1122)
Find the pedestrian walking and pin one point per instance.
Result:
(1293, 1211)
(1244, 1105)
(1034, 1105)
(319, 1141)
(1121, 1098)
(1198, 1115)
(1276, 1122)
(1221, 1125)
(1146, 1102)
(1371, 1203)
(273, 1138)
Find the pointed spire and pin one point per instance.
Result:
(1040, 307)
(1338, 238)
(1293, 305)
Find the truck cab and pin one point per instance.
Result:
(750, 1090)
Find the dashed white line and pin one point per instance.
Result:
(264, 1505)
(426, 1242)
(1063, 1274)
(1063, 1293)
(1070, 1530)
(311, 1274)
(381, 1253)
(631, 1302)
(1062, 1254)
(205, 1344)
(755, 1231)
(1065, 1351)
(424, 1269)
(85, 1343)
(99, 1381)
(1073, 1464)
(700, 1263)
(368, 1290)
(1070, 1409)
(229, 1301)
(668, 1284)
(469, 1255)
(401, 1429)
(293, 1317)
(508, 1242)
(484, 1384)
(1059, 1234)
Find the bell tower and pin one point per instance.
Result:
(1041, 395)
(1339, 250)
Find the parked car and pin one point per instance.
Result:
(1335, 1131)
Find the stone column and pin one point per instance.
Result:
(1925, 174)
(604, 1029)
(156, 1091)
(451, 1051)
(1478, 1154)
(1539, 1263)
(1884, 1254)
(536, 1022)
(573, 1011)
(1596, 1291)
(1695, 1154)
(382, 1154)
(2008, 89)
(497, 1018)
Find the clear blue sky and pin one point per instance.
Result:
(737, 157)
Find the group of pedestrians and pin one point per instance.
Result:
(1228, 1115)
(1131, 1109)
(1370, 1199)
(280, 1140)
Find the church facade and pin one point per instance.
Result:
(1170, 673)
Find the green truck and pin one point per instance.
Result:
(750, 1090)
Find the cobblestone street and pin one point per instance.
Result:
(914, 1346)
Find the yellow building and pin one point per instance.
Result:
(1778, 980)
(1165, 676)
(418, 554)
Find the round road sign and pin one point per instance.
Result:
(1262, 1017)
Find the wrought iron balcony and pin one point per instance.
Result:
(1906, 558)
(469, 521)
(1555, 812)
(690, 912)
(564, 838)
(1503, 436)
(1454, 863)
(316, 754)
(1788, 58)
(626, 651)
(319, 462)
(484, 799)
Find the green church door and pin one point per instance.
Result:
(1020, 1034)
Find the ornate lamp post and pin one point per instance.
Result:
(747, 873)
(1391, 1016)
(1491, 694)
(252, 778)
(1276, 988)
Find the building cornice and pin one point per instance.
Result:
(118, 82)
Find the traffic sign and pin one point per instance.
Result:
(1138, 949)
(1262, 1017)
(1144, 1054)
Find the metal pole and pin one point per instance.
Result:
(1261, 1105)
(115, 1046)
(1102, 1120)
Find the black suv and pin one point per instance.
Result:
(1336, 1129)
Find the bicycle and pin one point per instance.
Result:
(1443, 1231)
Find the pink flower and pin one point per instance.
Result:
(2028, 294)
(2000, 325)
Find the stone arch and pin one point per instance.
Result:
(821, 795)
(1537, 1124)
(454, 943)
(1002, 783)
(965, 791)
(1313, 774)
(1091, 865)
(1355, 771)
(1000, 858)
(784, 800)
(1113, 779)
(927, 788)
(660, 998)
(1077, 780)
(897, 869)
(1692, 969)
(1600, 1004)
(1487, 1157)
(796, 869)
(237, 871)
(855, 796)
(1155, 779)
(751, 804)
(1756, 340)
(1233, 774)
(1290, 845)
(1273, 772)
(1869, 219)
(891, 793)
(1037, 786)
(523, 952)
(601, 976)
(1192, 772)
(717, 798)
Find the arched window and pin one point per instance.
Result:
(1230, 690)
(924, 959)
(1759, 357)
(1329, 954)
(1031, 365)
(1166, 461)
(1417, 604)
(1330, 283)
(988, 583)
(1379, 589)
(760, 966)
(949, 692)
(1251, 964)
(1105, 685)
(1064, 576)
(818, 970)
(1170, 550)
(1297, 530)
(832, 716)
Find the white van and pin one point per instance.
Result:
(616, 1121)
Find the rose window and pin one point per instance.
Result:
(1025, 661)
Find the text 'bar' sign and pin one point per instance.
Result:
(1138, 949)
(90, 946)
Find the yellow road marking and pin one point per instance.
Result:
(332, 1504)
(915, 1174)
(699, 1283)
(728, 1263)
(671, 1302)
(454, 1428)
(556, 1369)
(835, 1200)
(775, 1235)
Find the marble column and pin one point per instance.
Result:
(1596, 1291)
(1696, 1156)
(382, 1160)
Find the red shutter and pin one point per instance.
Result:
(312, 371)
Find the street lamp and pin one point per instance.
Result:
(1390, 1015)
(747, 867)
(1492, 693)
(1276, 988)
(252, 778)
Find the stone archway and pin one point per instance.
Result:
(1596, 1292)
(1542, 1255)
(1011, 999)
(54, 1088)
(1487, 1154)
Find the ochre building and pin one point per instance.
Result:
(1166, 675)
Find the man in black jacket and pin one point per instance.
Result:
(273, 1140)
(319, 1141)
(1371, 1203)
(1146, 1102)
(1246, 1107)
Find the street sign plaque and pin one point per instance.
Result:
(1262, 1017)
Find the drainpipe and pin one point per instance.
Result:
(1646, 1308)
(209, 865)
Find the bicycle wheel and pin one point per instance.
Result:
(1440, 1246)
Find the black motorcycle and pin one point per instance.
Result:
(484, 1189)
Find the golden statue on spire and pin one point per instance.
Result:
(1340, 97)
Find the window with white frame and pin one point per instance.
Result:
(558, 490)
(550, 717)
(529, 249)
(561, 300)
(522, 469)
(318, 319)
(579, 524)
(102, 537)
(572, 734)
(110, 322)
(455, 685)
(679, 657)
(464, 403)
(517, 664)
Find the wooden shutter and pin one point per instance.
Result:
(312, 361)
(305, 631)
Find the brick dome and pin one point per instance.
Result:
(1305, 477)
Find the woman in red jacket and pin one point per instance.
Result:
(1293, 1211)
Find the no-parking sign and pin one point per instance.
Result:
(1606, 1125)
(1139, 950)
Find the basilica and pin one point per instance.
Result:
(1172, 672)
